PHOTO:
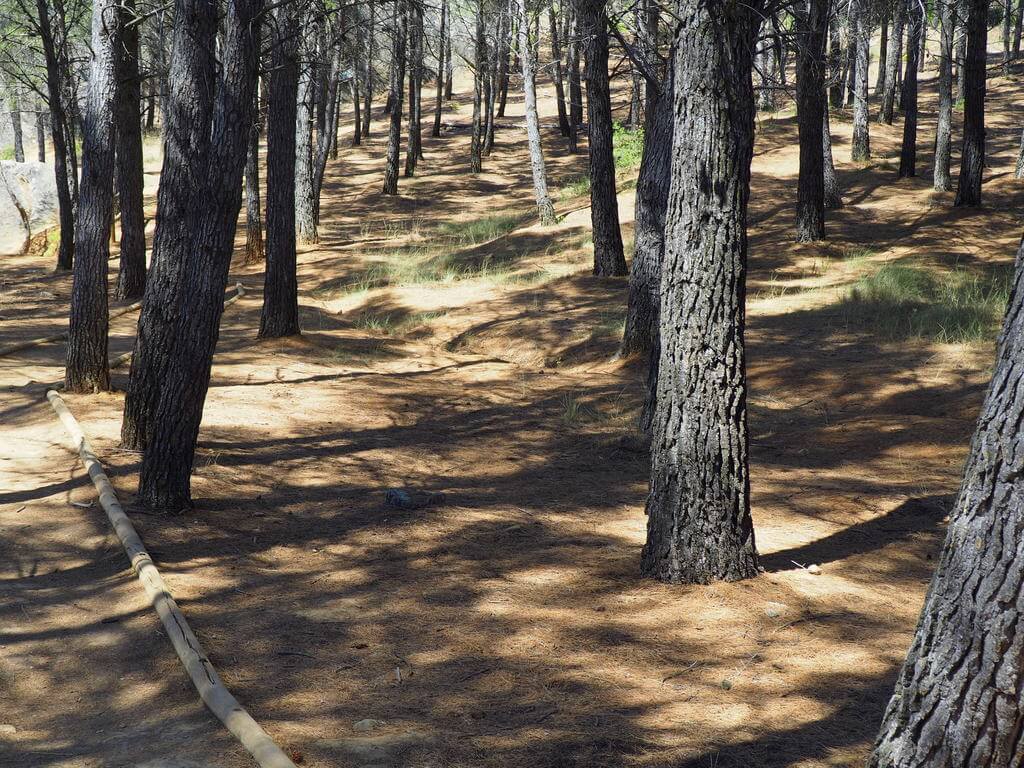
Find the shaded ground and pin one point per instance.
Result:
(506, 626)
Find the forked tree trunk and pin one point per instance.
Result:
(893, 59)
(398, 33)
(916, 20)
(280, 315)
(810, 89)
(972, 158)
(164, 478)
(860, 146)
(699, 527)
(942, 181)
(131, 276)
(609, 259)
(957, 700)
(545, 210)
(87, 369)
(186, 148)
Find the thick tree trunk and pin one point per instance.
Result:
(957, 700)
(894, 58)
(860, 146)
(439, 100)
(58, 122)
(280, 316)
(87, 369)
(306, 231)
(398, 34)
(545, 210)
(699, 527)
(556, 58)
(609, 259)
(254, 249)
(414, 145)
(916, 20)
(833, 195)
(186, 150)
(810, 95)
(131, 276)
(167, 463)
(944, 127)
(972, 158)
(652, 185)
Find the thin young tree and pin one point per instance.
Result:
(167, 463)
(255, 252)
(398, 44)
(1007, 26)
(957, 699)
(833, 194)
(18, 132)
(699, 527)
(280, 315)
(556, 62)
(40, 133)
(476, 146)
(860, 146)
(545, 209)
(942, 181)
(439, 79)
(131, 275)
(812, 20)
(573, 66)
(369, 81)
(916, 20)
(972, 157)
(311, 36)
(87, 368)
(609, 259)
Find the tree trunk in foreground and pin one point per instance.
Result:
(398, 33)
(167, 463)
(860, 147)
(609, 259)
(908, 150)
(942, 181)
(972, 158)
(87, 369)
(810, 94)
(957, 700)
(699, 528)
(131, 276)
(280, 315)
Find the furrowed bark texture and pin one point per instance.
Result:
(860, 148)
(699, 528)
(480, 72)
(908, 150)
(958, 699)
(556, 60)
(942, 181)
(414, 143)
(187, 114)
(609, 259)
(395, 98)
(305, 210)
(810, 95)
(972, 158)
(833, 195)
(167, 463)
(280, 315)
(131, 275)
(254, 250)
(87, 369)
(545, 209)
(893, 59)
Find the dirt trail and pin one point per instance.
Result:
(506, 626)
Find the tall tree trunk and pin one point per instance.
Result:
(972, 157)
(58, 121)
(306, 232)
(131, 276)
(186, 120)
(254, 249)
(609, 259)
(835, 60)
(326, 138)
(833, 195)
(40, 133)
(504, 51)
(280, 315)
(767, 101)
(944, 127)
(860, 148)
(479, 75)
(883, 51)
(87, 369)
(368, 79)
(575, 85)
(699, 527)
(810, 94)
(439, 99)
(19, 135)
(545, 210)
(916, 19)
(449, 63)
(957, 698)
(556, 58)
(1007, 20)
(1018, 28)
(167, 462)
(414, 146)
(398, 34)
(894, 58)
(642, 307)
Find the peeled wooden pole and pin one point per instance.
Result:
(186, 644)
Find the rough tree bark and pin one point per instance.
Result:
(398, 34)
(439, 100)
(131, 276)
(414, 144)
(87, 369)
(860, 146)
(368, 78)
(479, 74)
(811, 18)
(19, 134)
(893, 59)
(575, 87)
(545, 209)
(556, 59)
(833, 195)
(972, 158)
(699, 527)
(957, 700)
(167, 463)
(916, 19)
(609, 259)
(280, 315)
(942, 181)
(254, 248)
(306, 232)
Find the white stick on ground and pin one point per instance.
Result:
(193, 657)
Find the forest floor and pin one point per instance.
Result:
(449, 346)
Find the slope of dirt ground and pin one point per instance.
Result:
(507, 625)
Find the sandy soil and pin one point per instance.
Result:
(506, 626)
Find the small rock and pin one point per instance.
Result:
(814, 569)
(774, 610)
(368, 724)
(403, 498)
(6, 729)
